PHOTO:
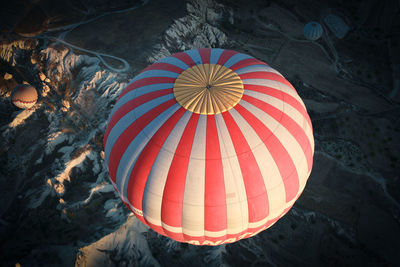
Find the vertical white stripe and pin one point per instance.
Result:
(269, 170)
(132, 152)
(236, 198)
(153, 193)
(303, 177)
(193, 198)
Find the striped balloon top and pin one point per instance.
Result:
(313, 30)
(209, 146)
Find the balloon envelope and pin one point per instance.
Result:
(24, 96)
(313, 30)
(209, 146)
(337, 25)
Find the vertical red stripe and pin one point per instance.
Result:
(215, 218)
(145, 161)
(257, 198)
(294, 129)
(246, 62)
(172, 203)
(282, 159)
(184, 58)
(144, 82)
(205, 54)
(131, 105)
(227, 54)
(130, 133)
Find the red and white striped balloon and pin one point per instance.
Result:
(24, 96)
(209, 146)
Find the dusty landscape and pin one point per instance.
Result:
(58, 206)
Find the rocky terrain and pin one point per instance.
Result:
(58, 207)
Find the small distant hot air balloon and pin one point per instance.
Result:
(313, 30)
(337, 25)
(209, 146)
(24, 96)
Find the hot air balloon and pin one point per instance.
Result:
(313, 30)
(337, 25)
(209, 146)
(24, 96)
